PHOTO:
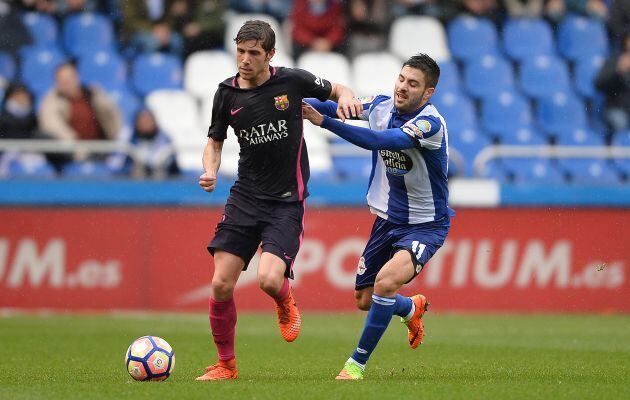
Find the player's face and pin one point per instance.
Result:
(252, 59)
(410, 91)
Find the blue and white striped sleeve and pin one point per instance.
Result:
(369, 102)
(426, 131)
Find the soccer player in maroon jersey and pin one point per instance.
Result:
(263, 104)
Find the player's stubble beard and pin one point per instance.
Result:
(408, 103)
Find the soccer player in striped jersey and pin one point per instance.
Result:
(408, 193)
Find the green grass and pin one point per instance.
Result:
(467, 357)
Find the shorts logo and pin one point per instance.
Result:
(281, 102)
(361, 267)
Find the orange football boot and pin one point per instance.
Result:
(289, 319)
(414, 324)
(222, 370)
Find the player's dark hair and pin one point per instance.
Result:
(257, 30)
(427, 65)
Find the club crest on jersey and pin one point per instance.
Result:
(281, 102)
(361, 266)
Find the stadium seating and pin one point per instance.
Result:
(471, 37)
(353, 167)
(103, 68)
(525, 38)
(589, 171)
(533, 170)
(87, 169)
(235, 21)
(282, 59)
(504, 111)
(176, 113)
(42, 27)
(156, 71)
(586, 70)
(87, 32)
(521, 136)
(318, 151)
(487, 75)
(449, 76)
(331, 66)
(580, 36)
(468, 142)
(37, 69)
(456, 108)
(561, 111)
(543, 75)
(204, 70)
(579, 136)
(128, 103)
(375, 73)
(410, 35)
(7, 67)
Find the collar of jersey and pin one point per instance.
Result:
(272, 69)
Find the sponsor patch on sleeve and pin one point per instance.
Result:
(366, 99)
(423, 125)
(411, 129)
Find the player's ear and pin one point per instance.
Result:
(270, 54)
(428, 93)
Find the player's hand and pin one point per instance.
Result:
(312, 114)
(208, 181)
(348, 106)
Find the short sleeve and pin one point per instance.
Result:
(368, 103)
(313, 86)
(425, 130)
(219, 123)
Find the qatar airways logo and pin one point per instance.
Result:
(265, 133)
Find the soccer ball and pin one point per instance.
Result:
(150, 358)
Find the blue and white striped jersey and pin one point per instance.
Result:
(409, 186)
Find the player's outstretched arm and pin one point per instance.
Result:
(211, 162)
(390, 139)
(348, 105)
(327, 107)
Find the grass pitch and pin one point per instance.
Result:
(467, 357)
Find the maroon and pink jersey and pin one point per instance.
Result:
(267, 120)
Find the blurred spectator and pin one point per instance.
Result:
(199, 22)
(279, 9)
(443, 10)
(368, 22)
(153, 149)
(524, 8)
(614, 82)
(555, 10)
(146, 28)
(71, 112)
(13, 33)
(489, 9)
(591, 8)
(619, 22)
(318, 25)
(17, 118)
(44, 6)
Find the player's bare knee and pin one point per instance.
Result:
(222, 288)
(386, 286)
(363, 300)
(269, 284)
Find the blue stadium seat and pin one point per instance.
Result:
(156, 71)
(495, 169)
(38, 69)
(128, 103)
(7, 66)
(621, 139)
(543, 75)
(42, 27)
(449, 76)
(103, 68)
(487, 75)
(87, 169)
(589, 171)
(26, 166)
(353, 167)
(471, 37)
(86, 33)
(521, 136)
(560, 112)
(579, 136)
(468, 142)
(580, 36)
(505, 110)
(525, 38)
(533, 170)
(456, 108)
(586, 70)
